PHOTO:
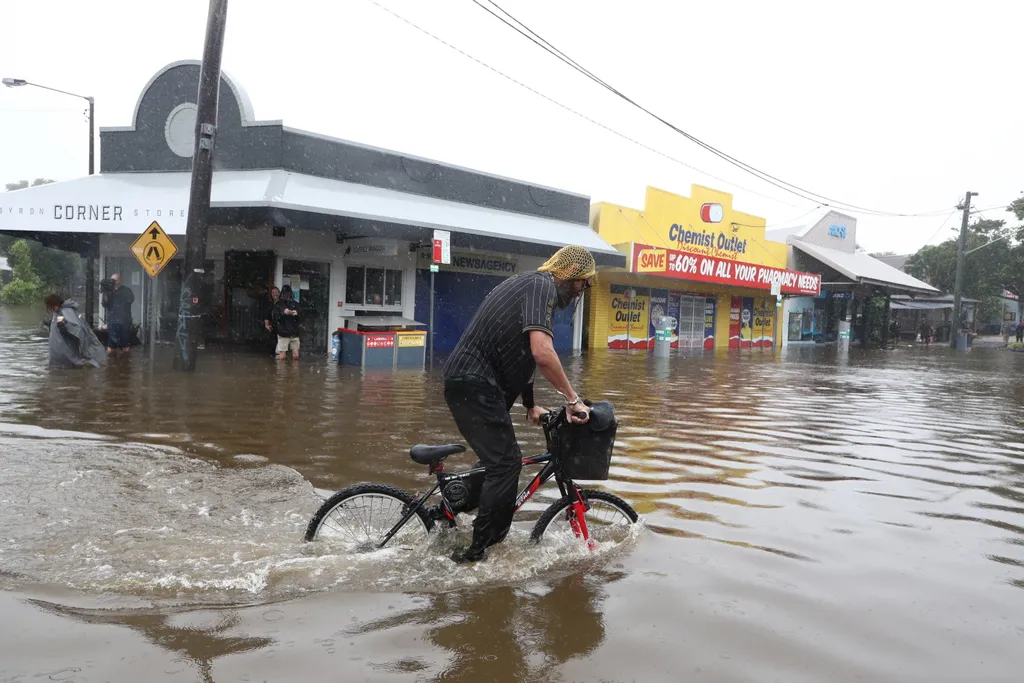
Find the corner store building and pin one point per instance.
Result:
(696, 259)
(344, 224)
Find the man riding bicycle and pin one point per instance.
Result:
(510, 337)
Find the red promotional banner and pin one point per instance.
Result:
(682, 265)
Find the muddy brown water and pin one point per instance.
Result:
(811, 517)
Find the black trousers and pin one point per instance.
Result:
(481, 413)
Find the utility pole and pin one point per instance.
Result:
(192, 301)
(92, 260)
(954, 328)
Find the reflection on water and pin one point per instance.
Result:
(811, 517)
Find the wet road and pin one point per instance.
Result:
(817, 518)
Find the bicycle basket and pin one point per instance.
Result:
(585, 451)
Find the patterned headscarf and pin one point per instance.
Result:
(570, 263)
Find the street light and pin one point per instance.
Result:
(18, 82)
(91, 260)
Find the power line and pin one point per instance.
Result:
(577, 113)
(939, 229)
(807, 195)
(786, 222)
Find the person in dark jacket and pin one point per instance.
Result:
(119, 316)
(269, 317)
(926, 332)
(287, 313)
(72, 343)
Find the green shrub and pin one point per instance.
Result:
(21, 292)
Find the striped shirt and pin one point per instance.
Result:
(496, 345)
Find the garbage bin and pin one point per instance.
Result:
(663, 329)
(963, 341)
(335, 345)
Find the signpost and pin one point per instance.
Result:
(442, 255)
(777, 292)
(154, 249)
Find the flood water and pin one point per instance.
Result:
(811, 517)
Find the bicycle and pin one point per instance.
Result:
(573, 451)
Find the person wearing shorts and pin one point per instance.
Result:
(118, 303)
(287, 319)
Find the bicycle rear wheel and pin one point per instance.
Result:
(608, 518)
(362, 515)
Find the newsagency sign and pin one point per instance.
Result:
(694, 267)
(480, 264)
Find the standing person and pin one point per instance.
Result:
(269, 308)
(287, 312)
(926, 332)
(1020, 331)
(118, 303)
(72, 342)
(510, 337)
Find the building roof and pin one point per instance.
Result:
(161, 138)
(783, 234)
(861, 267)
(127, 203)
(896, 261)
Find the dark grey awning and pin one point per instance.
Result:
(920, 305)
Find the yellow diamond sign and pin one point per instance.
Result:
(154, 249)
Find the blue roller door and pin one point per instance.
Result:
(456, 298)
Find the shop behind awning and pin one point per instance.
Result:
(125, 203)
(861, 268)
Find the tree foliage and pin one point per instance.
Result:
(998, 265)
(22, 184)
(25, 286)
(55, 269)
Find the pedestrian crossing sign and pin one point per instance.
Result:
(154, 249)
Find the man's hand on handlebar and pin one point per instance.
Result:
(535, 413)
(579, 413)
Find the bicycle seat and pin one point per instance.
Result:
(425, 455)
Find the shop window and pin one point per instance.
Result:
(355, 280)
(393, 288)
(373, 286)
(796, 326)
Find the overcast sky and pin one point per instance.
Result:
(900, 105)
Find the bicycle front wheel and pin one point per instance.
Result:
(608, 518)
(363, 514)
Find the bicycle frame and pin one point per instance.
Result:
(550, 469)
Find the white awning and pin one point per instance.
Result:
(125, 203)
(861, 267)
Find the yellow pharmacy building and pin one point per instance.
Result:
(695, 259)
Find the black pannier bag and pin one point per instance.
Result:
(586, 450)
(462, 489)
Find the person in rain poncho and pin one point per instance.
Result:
(72, 343)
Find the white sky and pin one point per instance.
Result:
(900, 105)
